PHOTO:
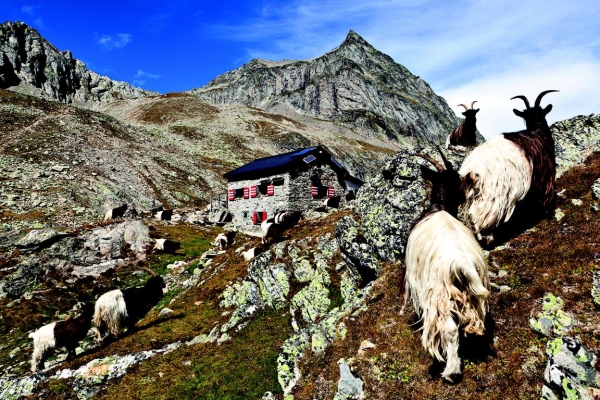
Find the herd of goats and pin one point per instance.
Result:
(446, 275)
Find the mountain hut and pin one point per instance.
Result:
(297, 181)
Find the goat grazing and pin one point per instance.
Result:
(273, 227)
(253, 252)
(446, 275)
(224, 240)
(464, 134)
(511, 168)
(66, 334)
(118, 308)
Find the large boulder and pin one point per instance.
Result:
(390, 202)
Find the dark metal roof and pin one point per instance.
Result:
(282, 163)
(268, 165)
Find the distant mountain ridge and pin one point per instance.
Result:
(32, 65)
(354, 85)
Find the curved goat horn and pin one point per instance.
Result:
(473, 104)
(447, 163)
(466, 108)
(432, 160)
(524, 99)
(539, 98)
(149, 270)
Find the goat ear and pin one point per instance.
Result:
(428, 174)
(464, 113)
(476, 110)
(519, 113)
(547, 109)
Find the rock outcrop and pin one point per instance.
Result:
(30, 64)
(575, 139)
(354, 85)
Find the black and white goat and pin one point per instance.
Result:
(66, 334)
(119, 308)
(224, 240)
(511, 168)
(446, 275)
(464, 134)
(273, 228)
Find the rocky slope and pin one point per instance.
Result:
(354, 85)
(30, 64)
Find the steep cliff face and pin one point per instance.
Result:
(30, 64)
(354, 85)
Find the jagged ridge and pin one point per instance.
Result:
(354, 85)
(30, 64)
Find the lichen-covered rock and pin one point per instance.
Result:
(13, 389)
(390, 202)
(39, 238)
(596, 288)
(313, 300)
(356, 252)
(596, 189)
(552, 320)
(349, 387)
(575, 139)
(570, 372)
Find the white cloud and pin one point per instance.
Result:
(29, 10)
(110, 42)
(141, 77)
(574, 74)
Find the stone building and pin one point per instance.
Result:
(297, 181)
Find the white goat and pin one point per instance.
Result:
(446, 274)
(511, 168)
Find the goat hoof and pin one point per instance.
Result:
(453, 378)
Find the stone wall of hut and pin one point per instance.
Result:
(293, 194)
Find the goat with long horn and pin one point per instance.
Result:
(465, 133)
(511, 168)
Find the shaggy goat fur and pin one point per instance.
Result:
(117, 308)
(60, 334)
(509, 169)
(446, 276)
(464, 134)
(447, 281)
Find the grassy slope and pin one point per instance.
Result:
(556, 256)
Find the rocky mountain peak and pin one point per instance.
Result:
(354, 85)
(355, 38)
(30, 64)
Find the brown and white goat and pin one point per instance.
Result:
(464, 134)
(511, 168)
(446, 275)
(66, 334)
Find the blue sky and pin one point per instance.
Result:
(466, 50)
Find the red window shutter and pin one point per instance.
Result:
(253, 191)
(254, 218)
(270, 190)
(231, 194)
(264, 215)
(246, 193)
(331, 192)
(314, 191)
